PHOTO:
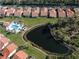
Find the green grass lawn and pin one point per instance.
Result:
(17, 38)
(31, 21)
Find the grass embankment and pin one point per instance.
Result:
(17, 38)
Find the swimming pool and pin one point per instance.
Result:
(15, 27)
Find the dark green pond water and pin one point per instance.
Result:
(42, 37)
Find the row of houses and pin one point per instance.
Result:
(9, 50)
(38, 11)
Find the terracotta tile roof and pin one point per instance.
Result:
(1, 45)
(10, 12)
(69, 12)
(3, 38)
(5, 54)
(1, 11)
(3, 41)
(8, 50)
(52, 12)
(5, 9)
(27, 11)
(35, 12)
(61, 12)
(76, 11)
(20, 55)
(11, 47)
(44, 12)
(18, 12)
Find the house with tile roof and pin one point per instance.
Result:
(76, 11)
(52, 12)
(10, 12)
(1, 13)
(61, 12)
(5, 9)
(18, 12)
(44, 12)
(3, 41)
(20, 55)
(70, 12)
(38, 11)
(35, 12)
(9, 51)
(27, 12)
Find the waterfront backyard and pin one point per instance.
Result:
(31, 50)
(17, 38)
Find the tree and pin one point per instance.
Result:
(47, 57)
(22, 47)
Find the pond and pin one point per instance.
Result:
(42, 37)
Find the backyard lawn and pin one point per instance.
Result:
(17, 38)
(31, 21)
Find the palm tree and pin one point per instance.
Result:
(22, 47)
(47, 57)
